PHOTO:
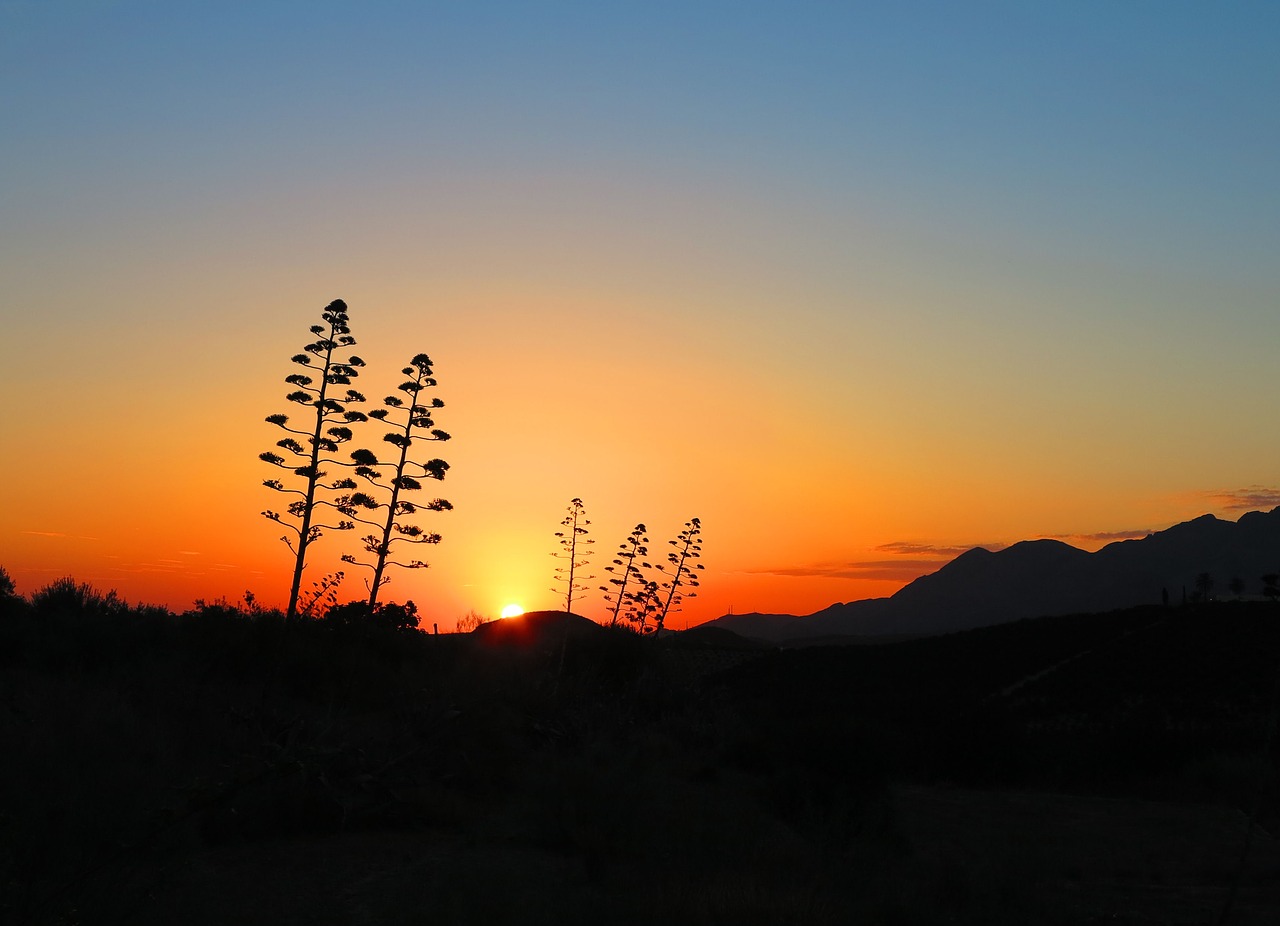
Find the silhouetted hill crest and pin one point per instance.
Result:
(1045, 577)
(536, 627)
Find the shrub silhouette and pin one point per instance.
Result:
(66, 596)
(10, 601)
(358, 614)
(1271, 585)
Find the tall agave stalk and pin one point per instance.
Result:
(680, 571)
(627, 575)
(574, 551)
(327, 424)
(382, 505)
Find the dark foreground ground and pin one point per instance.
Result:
(209, 769)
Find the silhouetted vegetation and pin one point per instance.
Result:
(632, 591)
(327, 425)
(626, 591)
(1271, 585)
(575, 549)
(549, 769)
(680, 573)
(403, 476)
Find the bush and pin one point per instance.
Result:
(388, 616)
(66, 596)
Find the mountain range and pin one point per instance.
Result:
(1041, 578)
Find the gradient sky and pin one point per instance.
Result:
(858, 284)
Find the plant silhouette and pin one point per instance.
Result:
(629, 595)
(1204, 586)
(680, 570)
(322, 597)
(574, 550)
(356, 615)
(1271, 585)
(404, 475)
(328, 424)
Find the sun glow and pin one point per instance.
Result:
(512, 610)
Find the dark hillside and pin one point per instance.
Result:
(1038, 578)
(1149, 700)
(546, 770)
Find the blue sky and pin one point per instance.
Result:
(934, 273)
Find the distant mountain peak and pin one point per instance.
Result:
(1046, 576)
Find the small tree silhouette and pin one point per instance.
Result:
(574, 550)
(404, 473)
(1271, 585)
(328, 425)
(1236, 585)
(680, 570)
(627, 573)
(1204, 586)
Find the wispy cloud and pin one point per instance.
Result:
(1100, 537)
(909, 559)
(886, 569)
(1253, 498)
(917, 548)
(56, 535)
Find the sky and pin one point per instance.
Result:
(859, 285)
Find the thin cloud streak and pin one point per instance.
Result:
(917, 558)
(1252, 498)
(914, 548)
(871, 569)
(1103, 537)
(56, 535)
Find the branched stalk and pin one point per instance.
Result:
(322, 438)
(680, 570)
(386, 518)
(574, 545)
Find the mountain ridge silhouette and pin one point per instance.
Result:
(1045, 577)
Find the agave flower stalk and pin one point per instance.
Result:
(328, 425)
(627, 575)
(680, 570)
(381, 504)
(575, 548)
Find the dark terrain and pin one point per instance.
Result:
(209, 768)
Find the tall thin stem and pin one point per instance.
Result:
(313, 477)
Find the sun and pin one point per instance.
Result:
(512, 610)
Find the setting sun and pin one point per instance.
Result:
(512, 610)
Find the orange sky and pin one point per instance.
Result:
(859, 289)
